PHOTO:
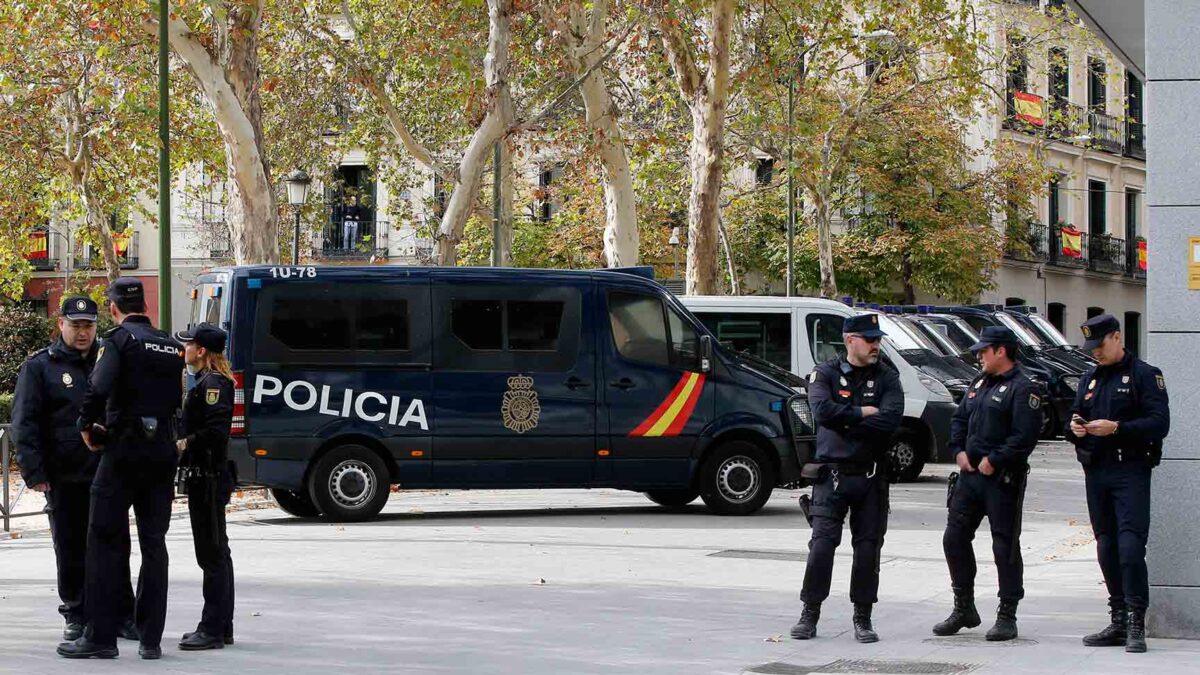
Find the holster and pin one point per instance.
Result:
(951, 483)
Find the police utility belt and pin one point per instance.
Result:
(144, 428)
(1145, 455)
(817, 470)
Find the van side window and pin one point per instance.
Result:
(478, 323)
(638, 328)
(533, 325)
(765, 335)
(514, 327)
(825, 336)
(311, 322)
(382, 325)
(685, 343)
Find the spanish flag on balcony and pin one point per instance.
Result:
(1072, 242)
(1028, 108)
(40, 249)
(1142, 255)
(121, 242)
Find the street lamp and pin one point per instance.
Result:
(297, 193)
(675, 242)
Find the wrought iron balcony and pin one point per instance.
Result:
(92, 259)
(1107, 253)
(1061, 256)
(1107, 132)
(1029, 241)
(1135, 140)
(349, 238)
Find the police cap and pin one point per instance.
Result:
(126, 288)
(79, 308)
(1097, 328)
(995, 335)
(866, 325)
(206, 335)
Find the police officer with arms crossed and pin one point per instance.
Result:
(53, 458)
(208, 479)
(1118, 423)
(994, 430)
(858, 404)
(127, 416)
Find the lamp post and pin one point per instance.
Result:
(675, 242)
(297, 193)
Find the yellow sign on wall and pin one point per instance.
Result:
(1194, 264)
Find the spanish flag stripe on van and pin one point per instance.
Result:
(673, 413)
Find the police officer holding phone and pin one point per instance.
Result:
(128, 415)
(1118, 422)
(858, 404)
(994, 430)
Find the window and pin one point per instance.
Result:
(479, 324)
(1097, 213)
(1093, 312)
(1014, 302)
(638, 329)
(1056, 312)
(534, 326)
(1056, 214)
(507, 327)
(977, 323)
(767, 336)
(764, 171)
(382, 326)
(685, 343)
(1059, 75)
(1132, 203)
(825, 336)
(440, 197)
(1133, 332)
(546, 207)
(318, 323)
(1097, 91)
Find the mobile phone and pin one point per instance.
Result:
(1078, 419)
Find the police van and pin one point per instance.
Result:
(352, 379)
(798, 333)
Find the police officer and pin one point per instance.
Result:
(127, 415)
(994, 430)
(1118, 422)
(53, 458)
(208, 479)
(858, 404)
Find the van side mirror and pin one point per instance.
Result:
(706, 351)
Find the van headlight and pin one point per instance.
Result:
(801, 414)
(1072, 382)
(934, 386)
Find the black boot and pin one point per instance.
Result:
(129, 631)
(227, 638)
(806, 627)
(84, 648)
(1006, 622)
(73, 630)
(1114, 634)
(963, 616)
(200, 640)
(863, 632)
(1135, 641)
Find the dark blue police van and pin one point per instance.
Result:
(353, 379)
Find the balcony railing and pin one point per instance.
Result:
(350, 238)
(1107, 253)
(1028, 241)
(92, 259)
(1065, 121)
(1036, 242)
(1135, 140)
(1060, 256)
(1106, 132)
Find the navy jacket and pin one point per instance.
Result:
(50, 388)
(1131, 393)
(837, 393)
(207, 415)
(1000, 418)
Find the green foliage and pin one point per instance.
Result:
(22, 332)
(6, 406)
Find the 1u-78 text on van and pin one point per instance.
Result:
(353, 379)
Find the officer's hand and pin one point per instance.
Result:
(1101, 427)
(181, 445)
(986, 468)
(1078, 429)
(87, 437)
(868, 410)
(964, 463)
(40, 487)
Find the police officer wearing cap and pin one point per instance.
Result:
(994, 430)
(858, 405)
(1118, 422)
(53, 458)
(128, 417)
(207, 478)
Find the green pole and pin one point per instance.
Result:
(164, 174)
(496, 205)
(791, 188)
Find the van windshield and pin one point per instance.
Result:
(1015, 326)
(208, 304)
(1048, 331)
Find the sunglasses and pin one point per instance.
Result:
(868, 340)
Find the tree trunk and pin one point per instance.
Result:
(824, 220)
(493, 128)
(78, 164)
(704, 207)
(507, 194)
(735, 285)
(586, 35)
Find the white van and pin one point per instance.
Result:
(798, 333)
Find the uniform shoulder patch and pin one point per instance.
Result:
(1035, 401)
(211, 396)
(1161, 383)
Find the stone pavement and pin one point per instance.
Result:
(600, 581)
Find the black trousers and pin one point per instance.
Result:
(976, 496)
(149, 488)
(68, 506)
(1118, 496)
(866, 499)
(207, 510)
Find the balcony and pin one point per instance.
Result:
(1135, 140)
(353, 239)
(1062, 256)
(1106, 132)
(1072, 123)
(1028, 241)
(1107, 253)
(92, 259)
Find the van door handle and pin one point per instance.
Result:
(573, 382)
(623, 383)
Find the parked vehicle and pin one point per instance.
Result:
(798, 333)
(353, 379)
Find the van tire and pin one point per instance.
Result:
(673, 498)
(295, 503)
(736, 479)
(350, 484)
(1050, 423)
(906, 456)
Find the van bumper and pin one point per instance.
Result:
(272, 473)
(937, 416)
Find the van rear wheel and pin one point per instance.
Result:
(906, 456)
(295, 503)
(737, 479)
(349, 484)
(673, 498)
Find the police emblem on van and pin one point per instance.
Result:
(520, 409)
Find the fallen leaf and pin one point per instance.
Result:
(774, 638)
(256, 614)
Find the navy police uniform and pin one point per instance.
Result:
(1000, 418)
(50, 388)
(134, 394)
(208, 479)
(1117, 468)
(853, 478)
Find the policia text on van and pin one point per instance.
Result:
(353, 379)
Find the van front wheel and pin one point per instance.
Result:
(349, 484)
(736, 479)
(295, 503)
